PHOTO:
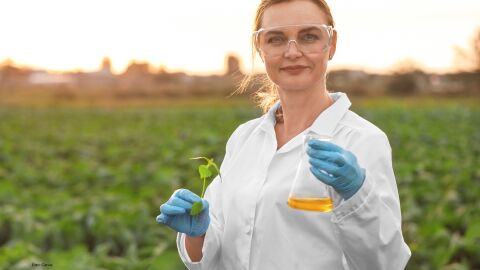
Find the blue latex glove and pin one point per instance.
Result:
(336, 167)
(175, 213)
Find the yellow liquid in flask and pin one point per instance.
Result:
(311, 204)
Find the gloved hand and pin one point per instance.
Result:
(336, 167)
(175, 213)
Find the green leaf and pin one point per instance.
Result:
(204, 171)
(196, 208)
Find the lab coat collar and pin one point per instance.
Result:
(327, 121)
(268, 120)
(324, 124)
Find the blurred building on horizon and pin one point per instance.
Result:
(141, 80)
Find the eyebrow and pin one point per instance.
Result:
(308, 29)
(272, 32)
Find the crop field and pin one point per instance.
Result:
(80, 187)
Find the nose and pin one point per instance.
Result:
(292, 51)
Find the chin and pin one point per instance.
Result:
(295, 83)
(291, 86)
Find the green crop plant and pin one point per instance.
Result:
(88, 171)
(204, 172)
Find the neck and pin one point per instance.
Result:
(300, 109)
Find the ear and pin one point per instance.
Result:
(333, 45)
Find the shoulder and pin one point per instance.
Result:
(355, 122)
(244, 131)
(249, 126)
(359, 130)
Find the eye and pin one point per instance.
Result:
(276, 40)
(311, 37)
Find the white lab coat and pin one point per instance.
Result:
(253, 228)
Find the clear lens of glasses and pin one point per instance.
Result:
(307, 192)
(274, 41)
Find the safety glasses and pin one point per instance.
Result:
(308, 38)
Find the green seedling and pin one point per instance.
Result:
(204, 172)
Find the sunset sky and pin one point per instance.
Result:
(194, 36)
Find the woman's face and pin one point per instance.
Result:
(295, 70)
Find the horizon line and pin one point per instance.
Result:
(409, 65)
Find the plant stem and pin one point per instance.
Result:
(203, 187)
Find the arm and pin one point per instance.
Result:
(367, 215)
(203, 252)
(194, 247)
(368, 225)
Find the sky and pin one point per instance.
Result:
(194, 36)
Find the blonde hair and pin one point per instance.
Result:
(267, 94)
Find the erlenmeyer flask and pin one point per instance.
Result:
(307, 192)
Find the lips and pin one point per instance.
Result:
(294, 70)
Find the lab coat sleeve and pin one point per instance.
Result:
(212, 244)
(368, 225)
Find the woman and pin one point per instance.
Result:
(246, 222)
